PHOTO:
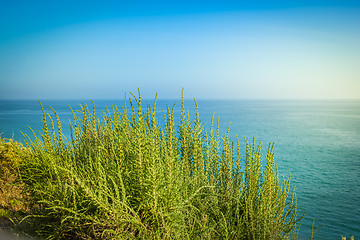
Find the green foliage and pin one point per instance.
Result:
(127, 176)
(12, 196)
(11, 156)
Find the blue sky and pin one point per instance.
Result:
(212, 49)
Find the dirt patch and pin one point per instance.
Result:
(8, 235)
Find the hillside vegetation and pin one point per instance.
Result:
(127, 176)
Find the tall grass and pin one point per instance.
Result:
(126, 176)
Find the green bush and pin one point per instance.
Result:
(11, 191)
(127, 176)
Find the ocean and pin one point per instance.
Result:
(318, 141)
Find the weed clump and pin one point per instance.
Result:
(12, 196)
(127, 176)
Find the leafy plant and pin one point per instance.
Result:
(127, 176)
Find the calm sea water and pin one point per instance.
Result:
(318, 141)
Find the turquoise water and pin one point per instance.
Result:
(318, 141)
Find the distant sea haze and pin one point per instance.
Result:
(317, 140)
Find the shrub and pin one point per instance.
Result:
(11, 190)
(127, 176)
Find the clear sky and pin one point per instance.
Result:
(212, 49)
